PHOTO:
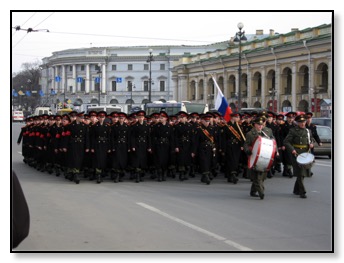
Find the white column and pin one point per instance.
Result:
(74, 78)
(87, 80)
(263, 87)
(53, 80)
(103, 78)
(293, 87)
(63, 81)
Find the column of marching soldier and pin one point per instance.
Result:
(97, 146)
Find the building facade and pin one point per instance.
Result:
(280, 72)
(113, 75)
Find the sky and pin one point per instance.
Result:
(98, 29)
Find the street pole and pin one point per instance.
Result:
(99, 72)
(240, 38)
(149, 60)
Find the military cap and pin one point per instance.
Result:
(301, 118)
(235, 114)
(73, 114)
(217, 114)
(163, 114)
(291, 114)
(194, 115)
(173, 117)
(101, 114)
(65, 117)
(44, 116)
(309, 115)
(271, 114)
(154, 115)
(80, 114)
(246, 115)
(182, 114)
(92, 113)
(51, 117)
(206, 117)
(114, 114)
(259, 120)
(86, 116)
(122, 115)
(140, 113)
(280, 117)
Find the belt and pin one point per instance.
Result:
(300, 146)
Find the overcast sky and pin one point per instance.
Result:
(86, 29)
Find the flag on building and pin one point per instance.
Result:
(221, 104)
(28, 93)
(41, 93)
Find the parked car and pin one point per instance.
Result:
(323, 121)
(325, 134)
(17, 116)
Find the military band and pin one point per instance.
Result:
(98, 145)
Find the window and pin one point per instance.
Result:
(114, 67)
(70, 68)
(145, 85)
(130, 85)
(82, 86)
(130, 66)
(145, 67)
(70, 88)
(162, 85)
(114, 86)
(82, 68)
(162, 66)
(96, 67)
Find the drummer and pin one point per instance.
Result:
(299, 140)
(257, 177)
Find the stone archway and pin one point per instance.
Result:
(303, 106)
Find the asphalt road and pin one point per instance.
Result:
(173, 215)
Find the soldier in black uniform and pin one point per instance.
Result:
(275, 131)
(233, 141)
(279, 142)
(183, 139)
(195, 122)
(100, 144)
(287, 158)
(204, 147)
(120, 146)
(140, 145)
(77, 134)
(162, 143)
(24, 136)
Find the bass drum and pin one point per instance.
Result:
(305, 160)
(263, 154)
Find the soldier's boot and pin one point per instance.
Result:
(278, 167)
(290, 172)
(137, 178)
(121, 175)
(99, 178)
(142, 174)
(163, 175)
(285, 171)
(205, 178)
(269, 175)
(192, 172)
(76, 178)
(234, 177)
(116, 178)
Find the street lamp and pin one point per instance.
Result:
(240, 38)
(99, 72)
(149, 60)
(131, 96)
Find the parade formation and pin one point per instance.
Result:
(136, 147)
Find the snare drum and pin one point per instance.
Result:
(263, 154)
(305, 160)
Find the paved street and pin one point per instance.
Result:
(174, 215)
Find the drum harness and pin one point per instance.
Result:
(309, 142)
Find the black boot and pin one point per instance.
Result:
(137, 178)
(76, 178)
(99, 178)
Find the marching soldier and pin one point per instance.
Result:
(275, 131)
(299, 140)
(182, 139)
(162, 142)
(258, 177)
(287, 158)
(23, 136)
(233, 140)
(279, 141)
(204, 146)
(140, 145)
(100, 144)
(120, 146)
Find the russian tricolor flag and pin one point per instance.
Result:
(221, 104)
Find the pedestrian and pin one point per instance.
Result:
(299, 140)
(257, 177)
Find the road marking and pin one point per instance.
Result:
(194, 227)
(322, 164)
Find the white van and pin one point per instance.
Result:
(17, 116)
(42, 110)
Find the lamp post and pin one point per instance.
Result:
(99, 72)
(149, 60)
(131, 96)
(240, 38)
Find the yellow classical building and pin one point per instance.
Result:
(279, 72)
